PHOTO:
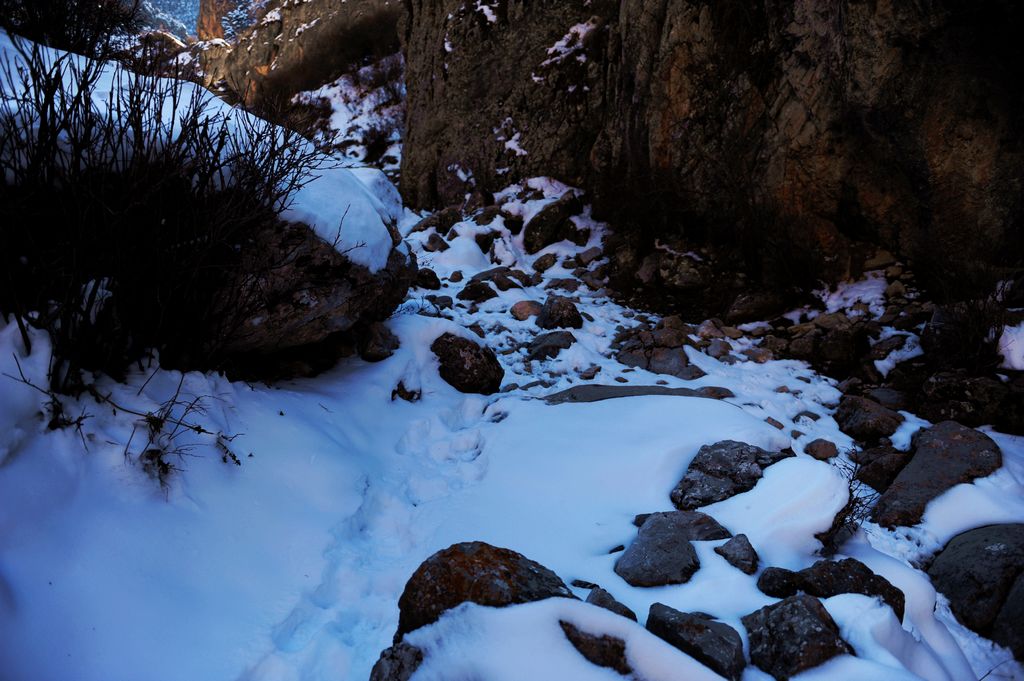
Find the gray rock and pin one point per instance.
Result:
(376, 342)
(427, 278)
(828, 578)
(945, 455)
(662, 553)
(981, 572)
(739, 553)
(397, 663)
(548, 345)
(596, 393)
(714, 644)
(722, 470)
(879, 466)
(467, 366)
(603, 599)
(793, 635)
(477, 292)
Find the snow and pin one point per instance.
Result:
(571, 44)
(289, 566)
(870, 290)
(1011, 347)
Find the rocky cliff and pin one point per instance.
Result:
(790, 129)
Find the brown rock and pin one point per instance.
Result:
(525, 309)
(822, 450)
(468, 367)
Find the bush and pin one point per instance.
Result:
(126, 206)
(88, 27)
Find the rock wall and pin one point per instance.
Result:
(791, 129)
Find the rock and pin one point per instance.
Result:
(719, 348)
(864, 420)
(559, 312)
(945, 455)
(588, 256)
(828, 578)
(888, 398)
(552, 223)
(779, 583)
(981, 572)
(739, 553)
(720, 471)
(545, 262)
(477, 292)
(714, 644)
(880, 466)
(503, 278)
(657, 350)
(822, 450)
(793, 635)
(596, 393)
(884, 348)
(485, 241)
(376, 342)
(473, 572)
(435, 244)
(548, 345)
(753, 306)
(895, 290)
(603, 599)
(397, 663)
(525, 309)
(604, 651)
(442, 221)
(466, 366)
(427, 278)
(662, 553)
(971, 400)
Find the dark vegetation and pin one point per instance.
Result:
(89, 27)
(125, 215)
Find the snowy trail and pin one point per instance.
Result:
(289, 567)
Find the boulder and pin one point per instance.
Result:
(603, 599)
(828, 578)
(525, 309)
(739, 553)
(376, 343)
(548, 345)
(467, 366)
(397, 663)
(662, 553)
(945, 455)
(821, 449)
(427, 278)
(981, 572)
(793, 635)
(713, 644)
(865, 420)
(553, 223)
(596, 393)
(879, 466)
(477, 292)
(722, 470)
(473, 572)
(559, 313)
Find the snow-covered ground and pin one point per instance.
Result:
(290, 565)
(282, 539)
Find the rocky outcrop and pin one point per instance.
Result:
(473, 572)
(981, 572)
(792, 128)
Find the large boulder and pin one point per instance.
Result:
(866, 420)
(473, 572)
(830, 113)
(981, 572)
(662, 553)
(722, 470)
(945, 455)
(793, 635)
(466, 365)
(713, 644)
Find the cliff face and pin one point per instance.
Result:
(790, 127)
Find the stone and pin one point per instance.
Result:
(588, 256)
(604, 650)
(548, 345)
(888, 398)
(435, 244)
(821, 449)
(559, 312)
(503, 278)
(945, 455)
(779, 582)
(467, 366)
(596, 393)
(754, 306)
(662, 553)
(375, 342)
(545, 262)
(828, 578)
(884, 348)
(793, 635)
(473, 572)
(719, 348)
(525, 309)
(980, 571)
(714, 644)
(739, 553)
(427, 278)
(720, 471)
(603, 599)
(879, 466)
(865, 420)
(553, 223)
(477, 292)
(397, 663)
